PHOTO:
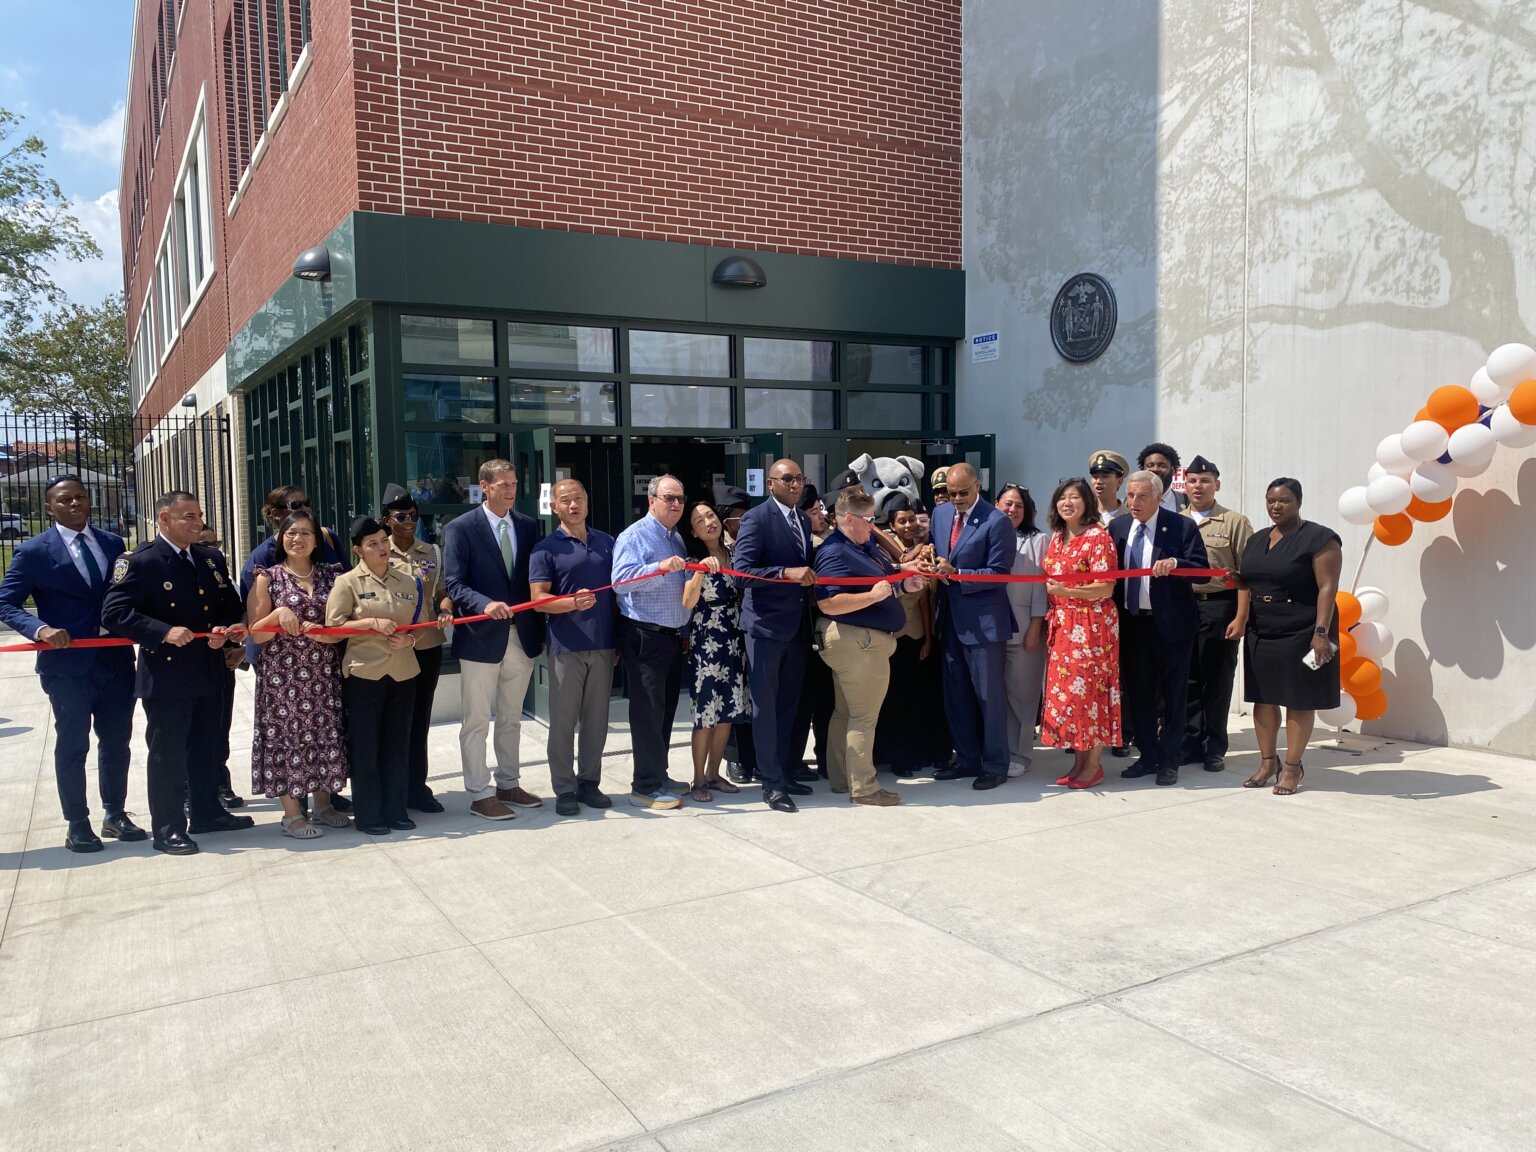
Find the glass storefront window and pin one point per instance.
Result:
(679, 354)
(679, 406)
(445, 464)
(882, 364)
(892, 411)
(447, 340)
(563, 402)
(786, 359)
(441, 399)
(560, 346)
(790, 408)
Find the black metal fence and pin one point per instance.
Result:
(123, 462)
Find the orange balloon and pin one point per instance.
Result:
(1428, 513)
(1522, 402)
(1348, 609)
(1452, 406)
(1371, 707)
(1348, 649)
(1423, 414)
(1360, 677)
(1393, 530)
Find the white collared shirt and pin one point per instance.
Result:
(92, 543)
(1170, 500)
(511, 528)
(1141, 558)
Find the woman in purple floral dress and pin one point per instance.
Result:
(298, 747)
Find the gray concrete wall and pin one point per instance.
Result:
(1313, 212)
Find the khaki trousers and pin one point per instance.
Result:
(484, 689)
(860, 660)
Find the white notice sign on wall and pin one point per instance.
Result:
(984, 347)
(755, 481)
(546, 499)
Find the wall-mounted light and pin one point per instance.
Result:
(739, 272)
(189, 400)
(313, 264)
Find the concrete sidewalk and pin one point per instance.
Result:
(1196, 967)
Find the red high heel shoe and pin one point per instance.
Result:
(1081, 784)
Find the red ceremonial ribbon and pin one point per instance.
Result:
(825, 581)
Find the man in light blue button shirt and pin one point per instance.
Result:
(651, 619)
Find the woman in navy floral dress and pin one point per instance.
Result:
(717, 660)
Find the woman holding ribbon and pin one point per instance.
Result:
(297, 746)
(717, 659)
(1082, 679)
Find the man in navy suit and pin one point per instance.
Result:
(1159, 618)
(64, 571)
(485, 566)
(775, 542)
(975, 620)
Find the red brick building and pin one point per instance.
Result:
(544, 228)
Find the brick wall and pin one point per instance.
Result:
(828, 128)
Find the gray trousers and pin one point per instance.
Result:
(580, 684)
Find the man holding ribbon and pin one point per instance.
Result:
(64, 572)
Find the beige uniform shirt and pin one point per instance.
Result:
(422, 563)
(360, 594)
(1226, 535)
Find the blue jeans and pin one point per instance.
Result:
(103, 698)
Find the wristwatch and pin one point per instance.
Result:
(1320, 631)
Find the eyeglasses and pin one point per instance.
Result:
(403, 517)
(667, 498)
(295, 505)
(790, 480)
(298, 535)
(866, 519)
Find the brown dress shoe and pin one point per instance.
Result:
(518, 798)
(879, 798)
(492, 809)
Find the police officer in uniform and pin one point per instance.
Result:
(169, 589)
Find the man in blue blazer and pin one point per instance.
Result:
(485, 567)
(1159, 618)
(975, 620)
(64, 570)
(774, 541)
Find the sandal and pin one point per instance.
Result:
(700, 793)
(1300, 772)
(720, 784)
(330, 817)
(1261, 778)
(301, 829)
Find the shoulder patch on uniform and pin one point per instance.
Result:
(120, 569)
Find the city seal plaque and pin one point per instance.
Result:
(1083, 318)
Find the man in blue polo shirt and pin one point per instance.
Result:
(569, 562)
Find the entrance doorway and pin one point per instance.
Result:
(699, 464)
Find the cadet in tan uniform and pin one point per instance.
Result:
(380, 669)
(1223, 617)
(423, 563)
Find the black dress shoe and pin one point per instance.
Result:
(591, 795)
(989, 780)
(372, 829)
(402, 823)
(779, 801)
(340, 802)
(1192, 757)
(1139, 769)
(799, 789)
(954, 772)
(738, 774)
(228, 798)
(1120, 750)
(1167, 776)
(805, 773)
(224, 823)
(566, 804)
(175, 844)
(120, 827)
(81, 837)
(1215, 763)
(426, 804)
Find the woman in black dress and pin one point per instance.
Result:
(717, 659)
(1292, 572)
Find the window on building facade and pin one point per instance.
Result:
(679, 354)
(193, 217)
(447, 340)
(560, 346)
(786, 359)
(790, 408)
(679, 406)
(165, 293)
(882, 364)
(261, 47)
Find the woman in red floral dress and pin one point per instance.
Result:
(1082, 676)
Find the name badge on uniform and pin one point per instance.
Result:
(367, 595)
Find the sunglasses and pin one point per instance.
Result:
(404, 517)
(669, 499)
(790, 480)
(295, 505)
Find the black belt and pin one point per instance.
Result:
(1224, 594)
(649, 627)
(1279, 599)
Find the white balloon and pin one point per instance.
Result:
(1512, 364)
(1373, 604)
(1482, 386)
(1355, 507)
(1471, 443)
(1376, 472)
(1508, 431)
(1468, 469)
(1372, 640)
(1433, 483)
(1340, 716)
(1424, 440)
(1392, 458)
(1388, 495)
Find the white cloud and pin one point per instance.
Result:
(90, 281)
(101, 141)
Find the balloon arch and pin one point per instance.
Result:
(1454, 436)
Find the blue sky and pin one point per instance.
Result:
(64, 67)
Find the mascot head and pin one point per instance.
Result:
(885, 475)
